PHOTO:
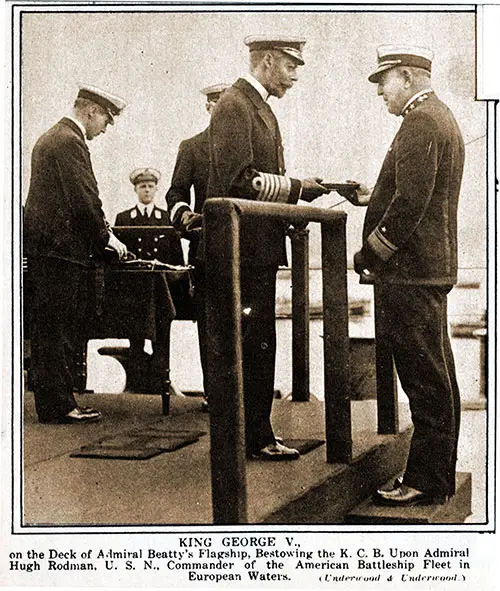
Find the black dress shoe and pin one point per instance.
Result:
(405, 496)
(276, 452)
(80, 414)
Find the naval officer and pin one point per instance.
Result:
(191, 171)
(410, 253)
(145, 212)
(246, 161)
(65, 233)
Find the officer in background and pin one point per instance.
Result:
(145, 212)
(191, 170)
(65, 234)
(163, 246)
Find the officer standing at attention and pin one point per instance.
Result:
(410, 253)
(191, 170)
(145, 212)
(246, 161)
(65, 234)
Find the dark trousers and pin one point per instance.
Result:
(415, 320)
(258, 302)
(60, 291)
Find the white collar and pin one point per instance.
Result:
(145, 208)
(257, 85)
(79, 124)
(415, 97)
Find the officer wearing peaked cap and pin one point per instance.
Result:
(273, 63)
(213, 93)
(65, 232)
(410, 253)
(191, 171)
(143, 368)
(246, 161)
(145, 212)
(111, 104)
(391, 56)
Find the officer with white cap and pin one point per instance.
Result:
(65, 233)
(409, 252)
(246, 161)
(191, 172)
(145, 212)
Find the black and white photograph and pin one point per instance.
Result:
(249, 332)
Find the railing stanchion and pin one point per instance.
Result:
(225, 374)
(299, 236)
(336, 343)
(225, 377)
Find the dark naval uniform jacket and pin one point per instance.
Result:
(134, 217)
(246, 162)
(63, 216)
(411, 225)
(191, 170)
(164, 247)
(411, 220)
(246, 155)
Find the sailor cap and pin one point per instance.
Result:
(143, 175)
(391, 56)
(112, 104)
(290, 45)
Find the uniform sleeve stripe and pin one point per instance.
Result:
(285, 187)
(272, 187)
(384, 239)
(176, 207)
(382, 247)
(263, 187)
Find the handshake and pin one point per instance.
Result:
(355, 193)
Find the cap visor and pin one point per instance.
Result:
(293, 53)
(375, 75)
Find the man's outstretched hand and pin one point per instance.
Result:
(358, 194)
(312, 189)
